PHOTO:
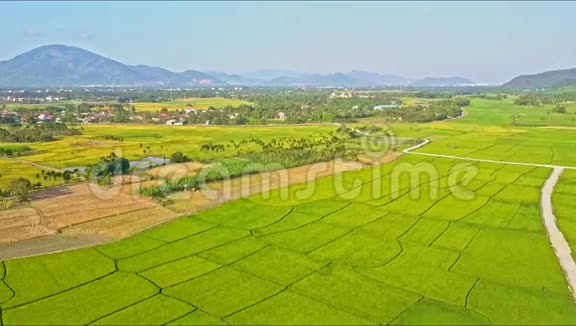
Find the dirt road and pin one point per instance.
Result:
(557, 239)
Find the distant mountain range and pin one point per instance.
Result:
(68, 66)
(282, 78)
(59, 65)
(548, 79)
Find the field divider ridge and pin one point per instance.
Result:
(427, 141)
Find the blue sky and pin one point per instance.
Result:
(485, 41)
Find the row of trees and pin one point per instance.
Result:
(538, 99)
(256, 156)
(36, 133)
(434, 111)
(296, 105)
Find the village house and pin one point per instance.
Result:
(344, 94)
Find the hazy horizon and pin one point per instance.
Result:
(486, 42)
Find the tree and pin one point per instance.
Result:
(178, 157)
(559, 109)
(120, 165)
(20, 189)
(108, 167)
(527, 100)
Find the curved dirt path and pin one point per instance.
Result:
(555, 236)
(557, 239)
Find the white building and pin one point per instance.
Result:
(386, 106)
(174, 122)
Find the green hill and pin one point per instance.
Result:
(548, 79)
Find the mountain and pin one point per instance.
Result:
(352, 79)
(442, 81)
(366, 79)
(570, 88)
(270, 74)
(319, 80)
(234, 79)
(378, 79)
(60, 65)
(68, 66)
(548, 79)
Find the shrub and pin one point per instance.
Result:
(461, 101)
(12, 150)
(6, 203)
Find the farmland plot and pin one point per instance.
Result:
(158, 140)
(365, 252)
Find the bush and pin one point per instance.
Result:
(559, 109)
(461, 101)
(12, 150)
(6, 203)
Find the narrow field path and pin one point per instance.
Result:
(427, 141)
(40, 166)
(555, 236)
(557, 239)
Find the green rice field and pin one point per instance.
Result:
(491, 112)
(445, 241)
(354, 256)
(565, 207)
(200, 104)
